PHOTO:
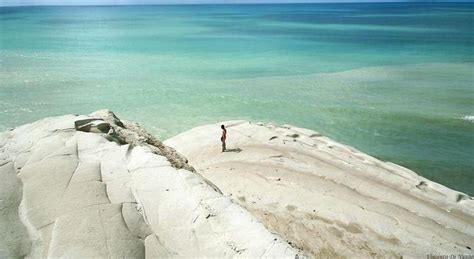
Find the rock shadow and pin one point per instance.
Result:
(236, 150)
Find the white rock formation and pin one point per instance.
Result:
(110, 190)
(327, 198)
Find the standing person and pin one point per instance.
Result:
(223, 137)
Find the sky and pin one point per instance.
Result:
(129, 2)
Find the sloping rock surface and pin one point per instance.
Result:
(327, 198)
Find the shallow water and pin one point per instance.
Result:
(393, 80)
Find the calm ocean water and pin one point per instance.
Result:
(393, 80)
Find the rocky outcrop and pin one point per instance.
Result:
(98, 187)
(125, 132)
(329, 199)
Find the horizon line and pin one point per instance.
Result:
(257, 3)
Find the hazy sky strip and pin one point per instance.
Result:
(130, 2)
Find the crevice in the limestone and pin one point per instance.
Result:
(72, 175)
(2, 163)
(124, 221)
(101, 179)
(64, 130)
(104, 231)
(139, 231)
(50, 238)
(74, 210)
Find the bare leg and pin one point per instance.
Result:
(223, 146)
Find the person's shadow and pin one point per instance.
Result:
(236, 150)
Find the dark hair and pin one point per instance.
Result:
(222, 126)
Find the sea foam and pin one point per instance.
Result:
(469, 118)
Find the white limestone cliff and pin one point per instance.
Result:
(97, 187)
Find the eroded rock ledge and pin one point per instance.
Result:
(97, 187)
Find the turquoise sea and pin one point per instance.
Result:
(393, 80)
